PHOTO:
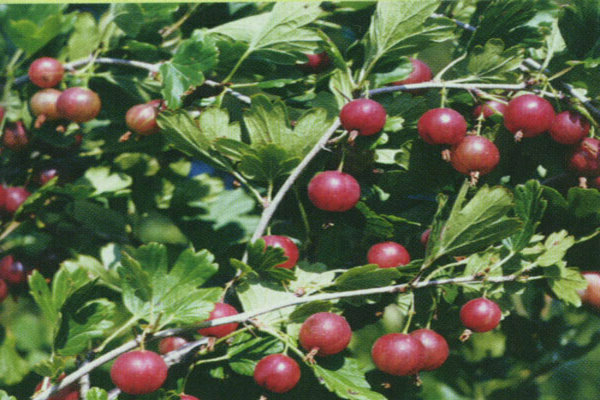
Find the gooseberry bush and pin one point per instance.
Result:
(338, 200)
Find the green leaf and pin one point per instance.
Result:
(138, 163)
(105, 181)
(566, 283)
(13, 367)
(556, 246)
(246, 351)
(579, 24)
(400, 29)
(267, 163)
(38, 287)
(398, 73)
(493, 62)
(6, 396)
(156, 227)
(475, 225)
(255, 294)
(304, 311)
(376, 225)
(196, 55)
(363, 277)
(133, 17)
(51, 367)
(347, 380)
(32, 36)
(529, 208)
(96, 394)
(104, 222)
(86, 37)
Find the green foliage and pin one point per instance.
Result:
(579, 24)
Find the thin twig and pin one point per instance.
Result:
(448, 85)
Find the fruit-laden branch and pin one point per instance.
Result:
(178, 355)
(448, 85)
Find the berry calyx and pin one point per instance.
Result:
(420, 73)
(585, 159)
(170, 344)
(316, 62)
(3, 290)
(221, 310)
(569, 127)
(489, 108)
(590, 296)
(442, 126)
(141, 119)
(388, 255)
(480, 315)
(528, 116)
(474, 154)
(46, 72)
(398, 354)
(12, 271)
(365, 116)
(15, 136)
(290, 250)
(325, 333)
(43, 105)
(14, 197)
(78, 104)
(277, 373)
(139, 372)
(436, 348)
(334, 191)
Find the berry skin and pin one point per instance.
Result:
(139, 372)
(480, 315)
(78, 104)
(569, 127)
(326, 332)
(425, 236)
(491, 107)
(290, 250)
(585, 159)
(15, 136)
(398, 354)
(528, 116)
(46, 72)
(2, 197)
(442, 126)
(221, 310)
(43, 102)
(388, 255)
(171, 343)
(316, 62)
(277, 373)
(591, 294)
(141, 119)
(420, 73)
(3, 290)
(363, 115)
(334, 191)
(14, 197)
(188, 397)
(436, 348)
(12, 271)
(474, 154)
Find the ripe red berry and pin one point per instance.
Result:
(3, 290)
(277, 373)
(569, 127)
(43, 102)
(71, 392)
(78, 104)
(585, 159)
(425, 236)
(420, 73)
(290, 250)
(591, 295)
(388, 255)
(12, 271)
(326, 332)
(436, 348)
(2, 197)
(365, 116)
(46, 72)
(442, 126)
(221, 310)
(14, 197)
(15, 136)
(491, 107)
(188, 397)
(171, 343)
(141, 119)
(398, 354)
(139, 372)
(334, 191)
(474, 154)
(480, 315)
(316, 62)
(528, 115)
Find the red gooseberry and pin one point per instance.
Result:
(12, 271)
(316, 62)
(277, 373)
(141, 119)
(480, 315)
(43, 103)
(14, 197)
(436, 348)
(170, 344)
(3, 290)
(442, 126)
(489, 108)
(78, 104)
(585, 159)
(290, 250)
(474, 154)
(70, 392)
(364, 116)
(398, 354)
(221, 310)
(569, 127)
(139, 372)
(15, 136)
(325, 333)
(334, 191)
(591, 294)
(420, 73)
(46, 72)
(528, 115)
(388, 255)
